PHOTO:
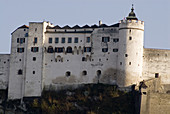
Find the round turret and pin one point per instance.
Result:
(130, 57)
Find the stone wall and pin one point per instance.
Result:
(156, 62)
(154, 98)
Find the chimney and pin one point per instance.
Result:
(100, 23)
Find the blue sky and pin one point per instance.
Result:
(155, 14)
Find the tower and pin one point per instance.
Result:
(130, 57)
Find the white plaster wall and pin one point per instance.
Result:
(4, 70)
(130, 72)
(17, 61)
(54, 72)
(156, 61)
(33, 82)
(105, 61)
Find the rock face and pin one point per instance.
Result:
(90, 98)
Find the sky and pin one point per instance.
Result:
(155, 14)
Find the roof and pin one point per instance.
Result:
(23, 26)
(83, 27)
(132, 15)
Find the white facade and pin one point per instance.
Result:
(44, 56)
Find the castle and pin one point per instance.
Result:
(44, 56)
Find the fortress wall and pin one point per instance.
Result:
(57, 64)
(4, 70)
(156, 62)
(154, 98)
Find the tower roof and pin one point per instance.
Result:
(132, 15)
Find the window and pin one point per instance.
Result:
(59, 49)
(68, 73)
(105, 39)
(34, 49)
(130, 38)
(84, 73)
(19, 72)
(104, 49)
(115, 40)
(56, 40)
(83, 59)
(120, 63)
(50, 40)
(35, 40)
(50, 49)
(76, 40)
(34, 58)
(17, 40)
(69, 40)
(115, 50)
(35, 29)
(87, 49)
(88, 39)
(126, 55)
(26, 34)
(33, 72)
(129, 63)
(69, 50)
(20, 50)
(156, 75)
(20, 40)
(98, 72)
(63, 40)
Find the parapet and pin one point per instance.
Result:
(134, 24)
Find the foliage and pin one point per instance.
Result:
(90, 99)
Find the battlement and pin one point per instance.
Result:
(133, 24)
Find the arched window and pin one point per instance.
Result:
(59, 59)
(19, 72)
(50, 49)
(98, 72)
(69, 50)
(84, 73)
(68, 73)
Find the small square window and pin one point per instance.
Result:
(34, 49)
(34, 59)
(115, 40)
(105, 39)
(19, 72)
(104, 49)
(130, 38)
(20, 50)
(76, 40)
(87, 49)
(156, 75)
(33, 72)
(22, 40)
(50, 40)
(69, 40)
(88, 40)
(63, 40)
(120, 63)
(126, 55)
(56, 40)
(115, 50)
(68, 73)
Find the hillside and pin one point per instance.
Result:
(88, 99)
